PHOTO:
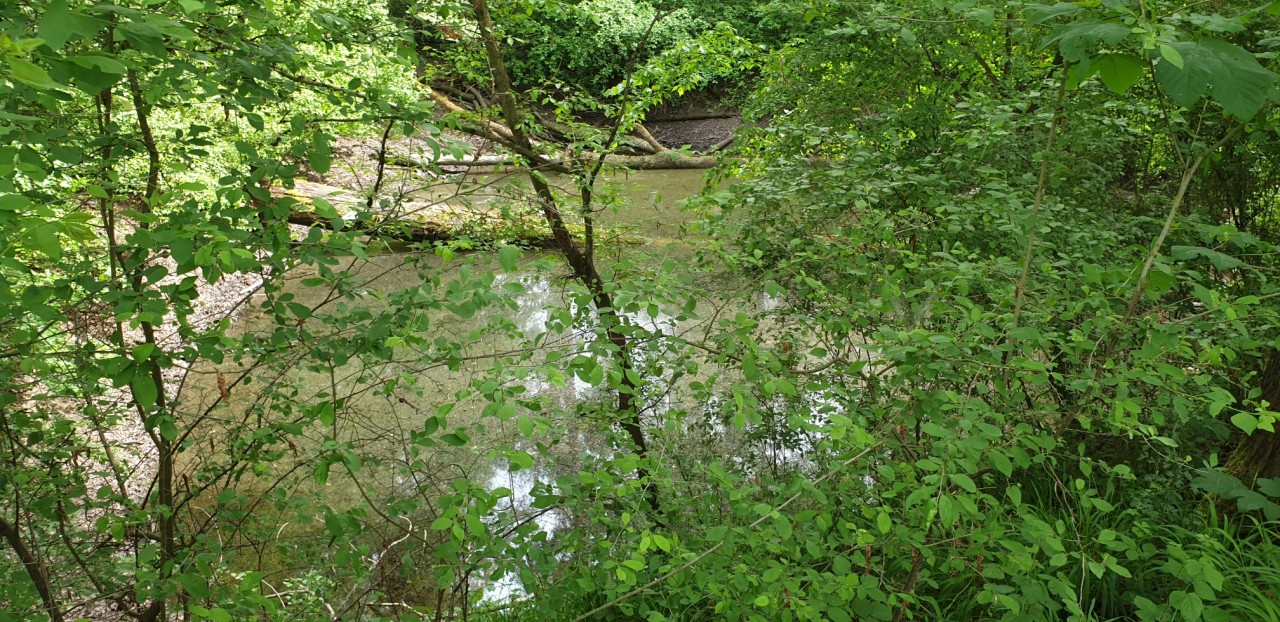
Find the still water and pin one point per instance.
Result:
(372, 441)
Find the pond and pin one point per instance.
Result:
(371, 442)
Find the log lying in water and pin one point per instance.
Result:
(415, 221)
(422, 221)
(657, 161)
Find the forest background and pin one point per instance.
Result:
(974, 319)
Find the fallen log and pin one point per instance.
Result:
(657, 161)
(414, 221)
(644, 134)
(692, 116)
(421, 221)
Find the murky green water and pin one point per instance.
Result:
(384, 404)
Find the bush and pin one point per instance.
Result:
(588, 45)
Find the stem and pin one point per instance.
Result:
(583, 266)
(164, 447)
(35, 570)
(1028, 251)
(1168, 221)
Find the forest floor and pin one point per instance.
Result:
(699, 134)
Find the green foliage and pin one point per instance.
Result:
(590, 45)
(981, 324)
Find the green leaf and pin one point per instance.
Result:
(320, 160)
(324, 209)
(509, 257)
(144, 389)
(1040, 13)
(1119, 71)
(1002, 463)
(520, 460)
(1245, 421)
(30, 74)
(884, 522)
(1077, 39)
(457, 439)
(525, 423)
(1171, 54)
(324, 413)
(59, 25)
(45, 239)
(1231, 75)
(142, 351)
(105, 64)
(963, 481)
(1220, 261)
(761, 601)
(217, 614)
(168, 429)
(321, 473)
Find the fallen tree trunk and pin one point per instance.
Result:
(413, 221)
(692, 116)
(658, 161)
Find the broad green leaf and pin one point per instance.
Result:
(519, 460)
(1119, 71)
(142, 351)
(1041, 13)
(59, 25)
(105, 64)
(320, 160)
(30, 74)
(1245, 421)
(963, 481)
(324, 209)
(321, 473)
(1220, 260)
(884, 522)
(1171, 54)
(44, 238)
(217, 614)
(509, 257)
(1001, 463)
(1231, 76)
(1077, 39)
(144, 389)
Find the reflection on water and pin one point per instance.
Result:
(386, 404)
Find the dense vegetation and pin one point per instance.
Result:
(1017, 359)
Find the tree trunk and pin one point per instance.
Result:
(37, 571)
(579, 259)
(1258, 455)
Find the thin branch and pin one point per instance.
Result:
(1168, 222)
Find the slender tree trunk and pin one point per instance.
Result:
(159, 408)
(580, 261)
(35, 570)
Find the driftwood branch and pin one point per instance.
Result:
(648, 138)
(722, 144)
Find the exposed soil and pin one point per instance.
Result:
(699, 134)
